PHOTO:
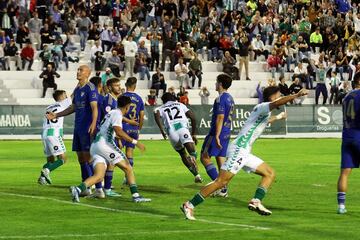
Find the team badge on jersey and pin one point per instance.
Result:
(112, 155)
(56, 148)
(82, 94)
(186, 136)
(108, 109)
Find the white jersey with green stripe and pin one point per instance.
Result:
(253, 126)
(55, 125)
(112, 119)
(173, 115)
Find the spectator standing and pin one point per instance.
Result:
(155, 51)
(48, 76)
(142, 67)
(46, 36)
(244, 47)
(22, 34)
(106, 38)
(321, 73)
(131, 49)
(34, 26)
(334, 88)
(84, 24)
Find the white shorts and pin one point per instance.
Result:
(179, 137)
(238, 158)
(105, 152)
(53, 145)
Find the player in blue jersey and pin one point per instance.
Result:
(109, 103)
(98, 84)
(85, 106)
(350, 148)
(104, 152)
(135, 113)
(217, 140)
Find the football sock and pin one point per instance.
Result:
(85, 171)
(108, 179)
(341, 196)
(197, 199)
(260, 193)
(55, 164)
(134, 190)
(211, 171)
(99, 184)
(46, 165)
(131, 161)
(82, 187)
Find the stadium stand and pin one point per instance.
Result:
(278, 25)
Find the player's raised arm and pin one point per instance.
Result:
(191, 115)
(122, 135)
(158, 122)
(283, 100)
(280, 116)
(68, 111)
(131, 122)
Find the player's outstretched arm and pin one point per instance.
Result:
(158, 122)
(283, 100)
(131, 122)
(191, 115)
(280, 116)
(68, 111)
(122, 135)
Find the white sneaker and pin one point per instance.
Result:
(188, 211)
(74, 194)
(220, 193)
(141, 199)
(46, 174)
(255, 205)
(198, 179)
(98, 193)
(42, 181)
(85, 193)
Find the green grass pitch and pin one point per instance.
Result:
(303, 198)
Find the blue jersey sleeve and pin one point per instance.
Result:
(92, 94)
(221, 105)
(141, 104)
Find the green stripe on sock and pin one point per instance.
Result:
(197, 199)
(82, 187)
(260, 193)
(133, 188)
(55, 164)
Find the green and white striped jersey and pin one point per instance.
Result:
(112, 119)
(55, 127)
(254, 126)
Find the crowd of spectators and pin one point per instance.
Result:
(300, 37)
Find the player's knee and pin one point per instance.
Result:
(271, 173)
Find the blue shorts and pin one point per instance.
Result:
(133, 133)
(350, 153)
(209, 146)
(81, 141)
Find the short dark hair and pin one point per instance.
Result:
(269, 91)
(356, 82)
(110, 81)
(95, 80)
(225, 80)
(122, 101)
(166, 97)
(131, 81)
(57, 94)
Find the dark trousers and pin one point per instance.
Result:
(259, 52)
(155, 57)
(167, 53)
(47, 85)
(108, 44)
(115, 70)
(24, 60)
(334, 90)
(159, 85)
(197, 74)
(321, 88)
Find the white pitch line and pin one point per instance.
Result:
(131, 212)
(96, 235)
